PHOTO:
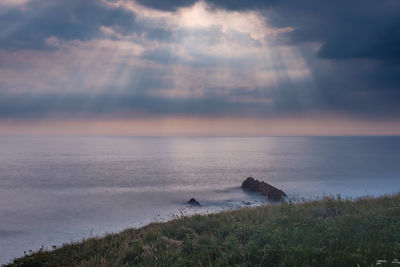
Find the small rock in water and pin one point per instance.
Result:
(193, 202)
(246, 203)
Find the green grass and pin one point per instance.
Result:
(329, 232)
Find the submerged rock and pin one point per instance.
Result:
(193, 202)
(272, 193)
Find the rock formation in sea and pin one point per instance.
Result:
(272, 193)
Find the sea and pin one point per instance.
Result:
(55, 190)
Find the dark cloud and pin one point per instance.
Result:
(67, 20)
(346, 29)
(243, 5)
(169, 5)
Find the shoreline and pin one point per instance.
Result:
(172, 238)
(182, 209)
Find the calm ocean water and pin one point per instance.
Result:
(59, 189)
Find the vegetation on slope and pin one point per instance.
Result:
(329, 232)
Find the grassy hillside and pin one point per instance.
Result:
(330, 232)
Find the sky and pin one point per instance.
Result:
(187, 67)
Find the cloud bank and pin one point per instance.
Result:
(124, 59)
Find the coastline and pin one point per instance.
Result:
(58, 190)
(315, 232)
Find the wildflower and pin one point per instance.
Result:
(396, 261)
